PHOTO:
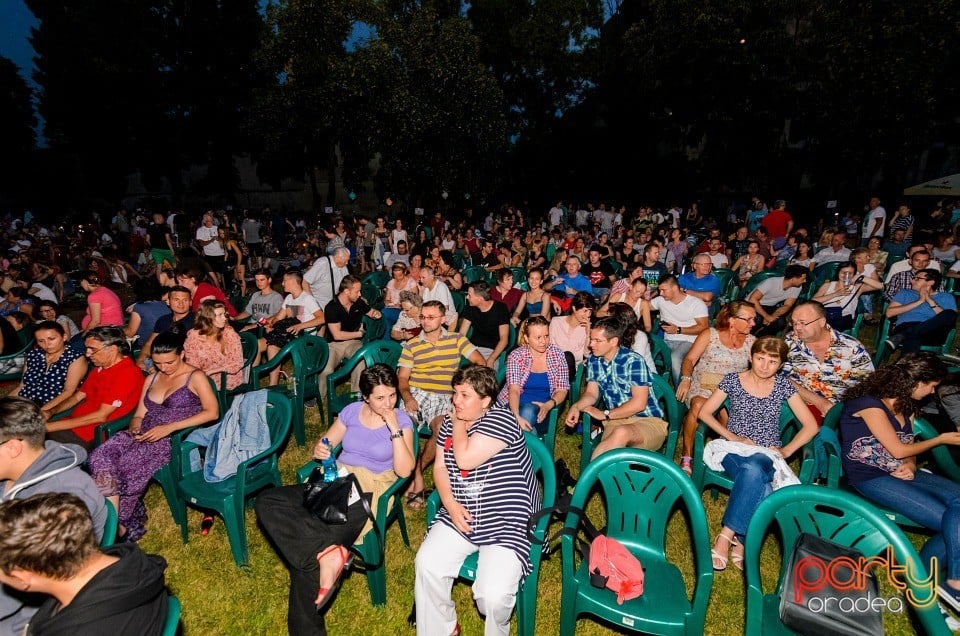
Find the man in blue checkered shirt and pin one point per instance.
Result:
(632, 416)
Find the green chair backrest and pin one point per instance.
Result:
(841, 518)
(755, 280)
(382, 351)
(640, 490)
(172, 623)
(474, 273)
(374, 328)
(459, 301)
(309, 356)
(661, 356)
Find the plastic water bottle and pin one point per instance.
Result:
(329, 464)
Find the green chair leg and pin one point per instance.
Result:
(234, 519)
(376, 577)
(402, 522)
(164, 477)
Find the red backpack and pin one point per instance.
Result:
(613, 567)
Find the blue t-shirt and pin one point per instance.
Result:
(924, 312)
(709, 283)
(579, 282)
(149, 313)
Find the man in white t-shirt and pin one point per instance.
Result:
(556, 214)
(323, 278)
(682, 318)
(775, 297)
(873, 224)
(299, 311)
(208, 236)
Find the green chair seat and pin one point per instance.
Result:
(228, 497)
(639, 491)
(838, 517)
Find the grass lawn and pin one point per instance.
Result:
(219, 598)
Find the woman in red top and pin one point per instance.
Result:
(111, 390)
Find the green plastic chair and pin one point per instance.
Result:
(661, 357)
(378, 278)
(728, 283)
(229, 496)
(519, 274)
(835, 516)
(369, 549)
(883, 352)
(577, 384)
(459, 301)
(640, 490)
(172, 623)
(944, 461)
(373, 329)
(474, 273)
(821, 274)
(706, 478)
(110, 526)
(673, 411)
(385, 351)
(26, 344)
(373, 294)
(250, 345)
(527, 596)
(309, 355)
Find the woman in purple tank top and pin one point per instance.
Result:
(377, 440)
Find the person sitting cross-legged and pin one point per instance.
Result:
(632, 416)
(924, 316)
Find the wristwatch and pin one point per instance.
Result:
(606, 415)
(398, 434)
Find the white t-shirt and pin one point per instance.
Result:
(302, 307)
(322, 286)
(774, 293)
(827, 255)
(556, 216)
(682, 314)
(43, 292)
(719, 260)
(442, 293)
(877, 213)
(212, 248)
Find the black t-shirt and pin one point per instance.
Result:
(599, 275)
(158, 236)
(486, 324)
(179, 327)
(653, 274)
(350, 320)
(490, 260)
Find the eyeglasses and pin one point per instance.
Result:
(798, 323)
(744, 318)
(91, 351)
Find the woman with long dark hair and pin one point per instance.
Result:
(880, 457)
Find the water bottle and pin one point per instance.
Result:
(329, 464)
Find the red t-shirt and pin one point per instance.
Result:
(776, 223)
(119, 385)
(206, 290)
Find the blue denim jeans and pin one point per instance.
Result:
(529, 412)
(930, 500)
(752, 478)
(678, 351)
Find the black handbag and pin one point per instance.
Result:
(818, 607)
(328, 501)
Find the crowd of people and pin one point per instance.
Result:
(504, 320)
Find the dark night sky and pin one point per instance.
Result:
(15, 23)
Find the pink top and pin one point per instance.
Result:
(111, 312)
(212, 358)
(573, 340)
(392, 293)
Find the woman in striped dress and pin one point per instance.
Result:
(484, 474)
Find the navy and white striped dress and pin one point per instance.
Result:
(501, 493)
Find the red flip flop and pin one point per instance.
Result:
(324, 594)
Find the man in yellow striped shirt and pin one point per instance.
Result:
(426, 368)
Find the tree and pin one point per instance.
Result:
(17, 129)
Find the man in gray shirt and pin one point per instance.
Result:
(264, 302)
(774, 297)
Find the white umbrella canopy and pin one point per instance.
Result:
(943, 187)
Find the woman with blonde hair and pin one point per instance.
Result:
(213, 346)
(538, 377)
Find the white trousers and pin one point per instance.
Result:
(437, 565)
